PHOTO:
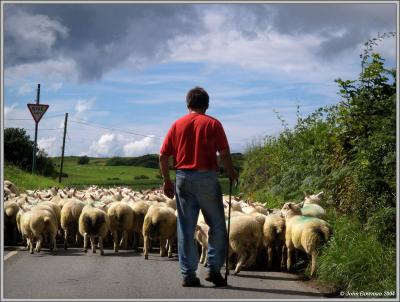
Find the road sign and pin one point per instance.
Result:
(37, 111)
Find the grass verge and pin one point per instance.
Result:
(354, 260)
(26, 181)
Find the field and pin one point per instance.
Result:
(97, 173)
(94, 173)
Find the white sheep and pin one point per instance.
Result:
(93, 223)
(201, 236)
(139, 209)
(244, 239)
(159, 222)
(121, 220)
(70, 213)
(305, 233)
(274, 238)
(38, 223)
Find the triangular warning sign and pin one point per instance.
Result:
(37, 111)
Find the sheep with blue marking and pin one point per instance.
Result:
(304, 233)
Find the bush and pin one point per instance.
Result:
(18, 150)
(141, 177)
(347, 150)
(83, 160)
(382, 225)
(354, 260)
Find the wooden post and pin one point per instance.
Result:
(63, 147)
(36, 132)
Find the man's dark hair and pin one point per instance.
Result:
(197, 98)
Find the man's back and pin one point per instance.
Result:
(193, 141)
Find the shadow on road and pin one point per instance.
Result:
(271, 277)
(122, 254)
(275, 291)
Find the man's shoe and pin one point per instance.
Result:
(191, 282)
(216, 278)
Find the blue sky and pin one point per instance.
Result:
(122, 71)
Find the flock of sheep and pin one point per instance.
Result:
(129, 219)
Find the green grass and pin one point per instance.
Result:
(98, 173)
(26, 181)
(354, 260)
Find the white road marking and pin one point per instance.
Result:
(10, 254)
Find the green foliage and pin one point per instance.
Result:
(18, 150)
(348, 151)
(83, 160)
(141, 177)
(354, 259)
(147, 161)
(237, 161)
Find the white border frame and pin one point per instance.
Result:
(2, 298)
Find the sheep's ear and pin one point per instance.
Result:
(290, 206)
(301, 204)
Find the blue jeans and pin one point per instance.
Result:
(197, 190)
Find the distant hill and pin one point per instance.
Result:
(147, 161)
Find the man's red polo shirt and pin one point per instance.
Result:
(193, 141)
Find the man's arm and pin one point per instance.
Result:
(226, 159)
(168, 187)
(164, 166)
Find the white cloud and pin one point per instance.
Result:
(140, 147)
(49, 145)
(105, 146)
(111, 144)
(50, 72)
(8, 110)
(82, 106)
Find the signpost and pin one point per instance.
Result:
(37, 110)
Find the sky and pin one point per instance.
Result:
(122, 71)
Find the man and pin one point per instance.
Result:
(193, 141)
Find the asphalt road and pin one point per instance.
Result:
(73, 274)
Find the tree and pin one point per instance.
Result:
(18, 148)
(83, 160)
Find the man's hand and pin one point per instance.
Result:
(168, 188)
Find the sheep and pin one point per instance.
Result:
(121, 220)
(304, 233)
(25, 228)
(11, 209)
(54, 207)
(315, 198)
(139, 209)
(70, 220)
(313, 210)
(159, 222)
(244, 239)
(10, 186)
(93, 223)
(36, 224)
(201, 235)
(44, 222)
(274, 238)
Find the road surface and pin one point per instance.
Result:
(73, 274)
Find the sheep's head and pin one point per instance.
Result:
(315, 198)
(290, 209)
